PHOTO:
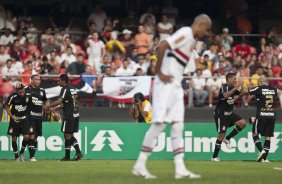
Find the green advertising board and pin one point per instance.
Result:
(123, 141)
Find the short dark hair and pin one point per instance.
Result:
(64, 77)
(230, 75)
(139, 96)
(34, 75)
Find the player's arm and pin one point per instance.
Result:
(7, 108)
(160, 55)
(227, 93)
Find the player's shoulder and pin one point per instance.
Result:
(185, 30)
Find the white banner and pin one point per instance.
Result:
(122, 89)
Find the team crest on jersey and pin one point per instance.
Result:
(11, 130)
(223, 128)
(31, 130)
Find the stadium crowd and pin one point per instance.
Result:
(127, 47)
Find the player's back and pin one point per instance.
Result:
(70, 101)
(176, 58)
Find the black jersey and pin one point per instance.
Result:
(70, 102)
(36, 98)
(266, 96)
(18, 104)
(224, 106)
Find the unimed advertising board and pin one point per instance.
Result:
(123, 141)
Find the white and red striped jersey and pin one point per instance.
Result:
(177, 56)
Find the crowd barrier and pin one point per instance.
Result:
(123, 141)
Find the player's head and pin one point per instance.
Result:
(262, 81)
(35, 81)
(20, 89)
(231, 79)
(201, 25)
(63, 80)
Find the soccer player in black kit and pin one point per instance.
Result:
(69, 99)
(16, 107)
(224, 115)
(265, 117)
(37, 98)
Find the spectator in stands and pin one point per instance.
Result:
(124, 70)
(99, 81)
(9, 70)
(27, 73)
(226, 40)
(211, 52)
(31, 34)
(127, 41)
(92, 27)
(130, 22)
(78, 67)
(10, 20)
(54, 61)
(21, 37)
(24, 15)
(242, 49)
(51, 45)
(149, 13)
(213, 85)
(165, 28)
(3, 55)
(139, 72)
(244, 26)
(171, 11)
(142, 63)
(149, 28)
(105, 63)
(91, 80)
(68, 57)
(45, 68)
(142, 40)
(95, 51)
(98, 16)
(68, 43)
(198, 84)
(7, 38)
(114, 47)
(60, 38)
(44, 39)
(59, 17)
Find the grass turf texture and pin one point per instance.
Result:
(119, 171)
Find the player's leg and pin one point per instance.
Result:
(139, 169)
(74, 143)
(31, 147)
(15, 147)
(256, 138)
(67, 137)
(24, 144)
(220, 123)
(240, 125)
(268, 133)
(217, 147)
(177, 143)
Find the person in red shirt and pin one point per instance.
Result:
(242, 49)
(26, 74)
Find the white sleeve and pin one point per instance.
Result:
(147, 107)
(179, 38)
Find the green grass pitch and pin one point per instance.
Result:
(118, 172)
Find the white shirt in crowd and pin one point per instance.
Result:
(163, 26)
(68, 58)
(199, 83)
(207, 73)
(95, 48)
(4, 58)
(18, 66)
(214, 83)
(124, 72)
(4, 40)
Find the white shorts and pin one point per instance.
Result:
(168, 103)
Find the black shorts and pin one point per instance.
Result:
(70, 125)
(264, 126)
(15, 129)
(36, 126)
(224, 122)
